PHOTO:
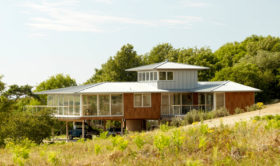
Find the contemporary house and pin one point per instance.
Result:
(162, 91)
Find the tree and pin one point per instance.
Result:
(161, 53)
(2, 85)
(114, 68)
(200, 57)
(55, 82)
(16, 92)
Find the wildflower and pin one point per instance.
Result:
(254, 121)
(210, 130)
(194, 123)
(260, 105)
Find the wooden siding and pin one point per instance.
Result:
(239, 100)
(152, 112)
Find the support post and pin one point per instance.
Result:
(104, 125)
(67, 135)
(122, 125)
(83, 129)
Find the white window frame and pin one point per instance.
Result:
(166, 75)
(142, 96)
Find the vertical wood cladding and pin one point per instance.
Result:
(195, 98)
(239, 100)
(152, 112)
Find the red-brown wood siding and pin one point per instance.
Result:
(152, 112)
(195, 98)
(239, 100)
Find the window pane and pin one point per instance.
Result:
(90, 105)
(209, 101)
(116, 104)
(50, 100)
(60, 104)
(146, 100)
(77, 105)
(147, 76)
(177, 99)
(169, 75)
(104, 105)
(143, 76)
(187, 99)
(139, 76)
(201, 98)
(219, 100)
(151, 76)
(164, 104)
(155, 75)
(71, 103)
(66, 108)
(162, 75)
(137, 100)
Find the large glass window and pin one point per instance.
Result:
(66, 104)
(209, 101)
(165, 104)
(90, 105)
(187, 99)
(139, 76)
(142, 100)
(77, 105)
(104, 105)
(116, 104)
(147, 76)
(143, 76)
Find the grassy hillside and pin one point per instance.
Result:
(256, 142)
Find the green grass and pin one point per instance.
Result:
(256, 142)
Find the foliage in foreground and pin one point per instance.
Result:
(246, 143)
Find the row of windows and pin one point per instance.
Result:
(147, 76)
(153, 76)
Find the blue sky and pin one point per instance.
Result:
(39, 39)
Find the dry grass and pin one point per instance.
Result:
(244, 143)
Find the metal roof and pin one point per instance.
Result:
(167, 65)
(142, 87)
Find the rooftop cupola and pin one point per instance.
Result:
(169, 75)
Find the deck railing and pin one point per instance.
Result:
(178, 110)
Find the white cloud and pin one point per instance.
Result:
(104, 1)
(63, 16)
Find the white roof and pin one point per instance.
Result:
(142, 87)
(167, 65)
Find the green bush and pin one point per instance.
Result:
(19, 125)
(238, 110)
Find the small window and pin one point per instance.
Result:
(155, 75)
(151, 76)
(138, 100)
(142, 100)
(162, 75)
(169, 75)
(147, 76)
(146, 100)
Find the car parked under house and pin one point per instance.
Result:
(162, 91)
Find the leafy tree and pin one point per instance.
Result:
(114, 68)
(161, 53)
(16, 92)
(55, 82)
(200, 57)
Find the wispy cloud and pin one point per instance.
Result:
(63, 16)
(104, 1)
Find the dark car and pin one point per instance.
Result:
(77, 131)
(114, 131)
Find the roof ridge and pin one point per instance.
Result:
(160, 64)
(93, 85)
(220, 85)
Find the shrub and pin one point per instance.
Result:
(139, 141)
(192, 116)
(253, 107)
(176, 121)
(161, 142)
(238, 110)
(221, 112)
(97, 149)
(164, 127)
(52, 158)
(20, 150)
(177, 139)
